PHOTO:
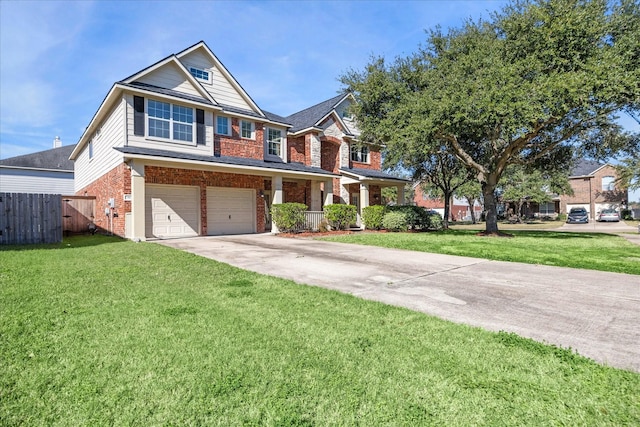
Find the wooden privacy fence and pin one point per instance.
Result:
(30, 218)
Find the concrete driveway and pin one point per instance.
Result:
(595, 313)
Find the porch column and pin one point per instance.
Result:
(328, 192)
(277, 197)
(364, 201)
(316, 196)
(401, 200)
(138, 225)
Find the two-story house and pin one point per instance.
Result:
(594, 188)
(180, 149)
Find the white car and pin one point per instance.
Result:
(608, 215)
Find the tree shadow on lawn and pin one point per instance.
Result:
(77, 241)
(556, 235)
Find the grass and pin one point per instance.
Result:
(99, 331)
(593, 251)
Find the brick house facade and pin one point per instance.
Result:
(180, 149)
(594, 188)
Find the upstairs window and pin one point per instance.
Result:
(247, 129)
(222, 125)
(170, 121)
(200, 74)
(359, 154)
(274, 142)
(608, 183)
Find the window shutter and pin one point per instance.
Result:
(138, 115)
(200, 130)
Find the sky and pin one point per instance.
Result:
(58, 59)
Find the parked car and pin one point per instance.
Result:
(578, 216)
(608, 215)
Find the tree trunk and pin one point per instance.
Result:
(447, 210)
(491, 208)
(471, 203)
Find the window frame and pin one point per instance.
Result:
(228, 125)
(611, 183)
(172, 122)
(252, 129)
(194, 71)
(359, 154)
(270, 142)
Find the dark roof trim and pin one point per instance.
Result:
(168, 92)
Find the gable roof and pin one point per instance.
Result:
(312, 116)
(585, 168)
(53, 159)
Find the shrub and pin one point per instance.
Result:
(395, 221)
(626, 214)
(372, 217)
(434, 221)
(340, 216)
(419, 217)
(288, 217)
(562, 217)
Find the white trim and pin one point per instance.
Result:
(229, 125)
(36, 169)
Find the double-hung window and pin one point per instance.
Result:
(608, 183)
(170, 121)
(222, 125)
(246, 129)
(359, 154)
(274, 142)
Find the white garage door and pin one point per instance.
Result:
(172, 211)
(230, 211)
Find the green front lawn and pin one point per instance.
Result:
(100, 331)
(594, 251)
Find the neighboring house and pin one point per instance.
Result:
(180, 149)
(44, 172)
(594, 188)
(459, 209)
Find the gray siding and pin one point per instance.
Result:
(14, 180)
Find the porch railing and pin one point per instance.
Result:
(312, 220)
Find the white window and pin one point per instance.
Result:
(274, 142)
(247, 129)
(548, 208)
(200, 74)
(608, 183)
(359, 154)
(222, 125)
(170, 121)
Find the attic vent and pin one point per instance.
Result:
(200, 74)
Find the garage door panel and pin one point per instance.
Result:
(230, 211)
(172, 211)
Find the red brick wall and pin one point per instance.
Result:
(297, 192)
(330, 154)
(588, 191)
(238, 147)
(297, 150)
(374, 160)
(114, 184)
(429, 203)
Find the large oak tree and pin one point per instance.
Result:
(538, 81)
